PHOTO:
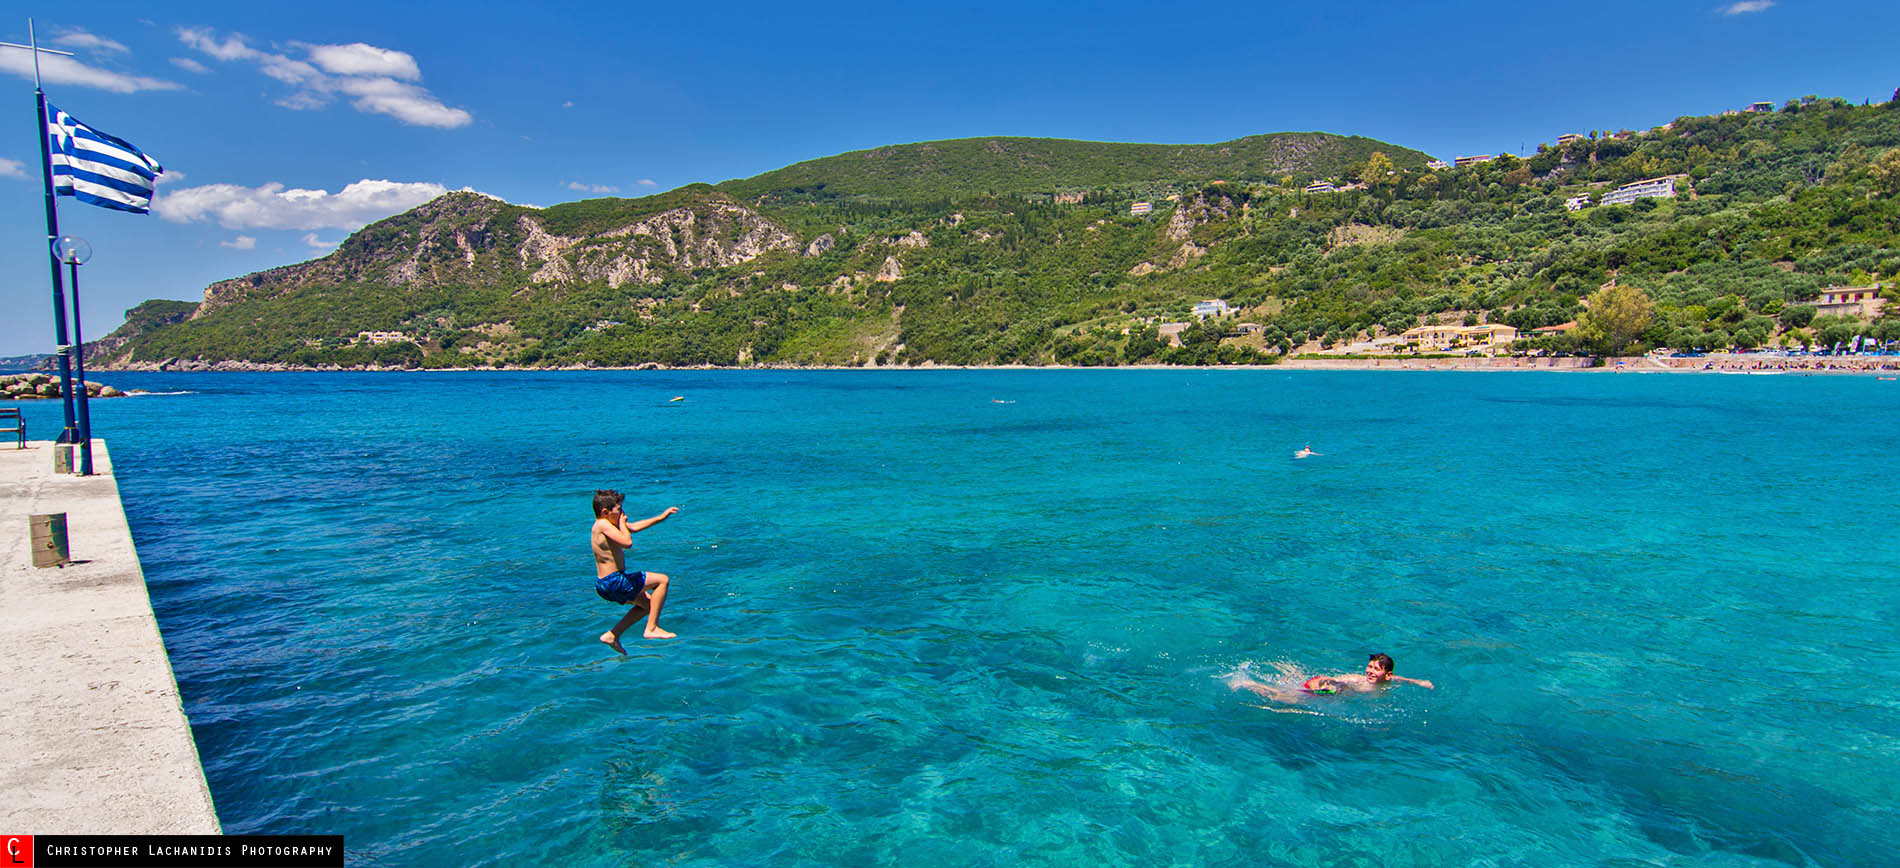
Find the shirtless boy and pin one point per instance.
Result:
(611, 536)
(1378, 676)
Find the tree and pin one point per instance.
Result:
(1886, 171)
(1616, 315)
(1377, 171)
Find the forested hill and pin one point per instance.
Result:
(1028, 252)
(1002, 166)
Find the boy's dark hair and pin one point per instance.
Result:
(606, 499)
(1384, 661)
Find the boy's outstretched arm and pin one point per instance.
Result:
(1418, 681)
(645, 523)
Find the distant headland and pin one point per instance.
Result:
(1764, 227)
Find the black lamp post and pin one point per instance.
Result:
(74, 251)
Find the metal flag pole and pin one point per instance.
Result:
(79, 371)
(70, 435)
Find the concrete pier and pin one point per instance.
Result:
(95, 740)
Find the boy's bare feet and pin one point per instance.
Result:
(612, 641)
(655, 633)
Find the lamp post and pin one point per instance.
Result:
(74, 251)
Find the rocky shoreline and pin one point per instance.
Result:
(1651, 363)
(22, 387)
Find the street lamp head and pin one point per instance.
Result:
(72, 250)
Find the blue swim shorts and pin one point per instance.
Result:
(621, 586)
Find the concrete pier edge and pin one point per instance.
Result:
(97, 737)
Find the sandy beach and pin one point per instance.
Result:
(1720, 363)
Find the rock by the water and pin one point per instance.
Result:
(23, 386)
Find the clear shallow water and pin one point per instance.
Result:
(922, 628)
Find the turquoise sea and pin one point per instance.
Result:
(980, 617)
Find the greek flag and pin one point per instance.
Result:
(99, 169)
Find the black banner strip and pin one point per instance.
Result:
(187, 851)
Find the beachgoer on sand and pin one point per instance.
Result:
(1377, 677)
(645, 591)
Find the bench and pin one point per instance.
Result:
(11, 416)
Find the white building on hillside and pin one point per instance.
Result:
(1578, 203)
(1321, 187)
(1654, 188)
(1212, 307)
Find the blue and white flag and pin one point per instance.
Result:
(99, 169)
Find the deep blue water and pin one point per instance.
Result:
(921, 627)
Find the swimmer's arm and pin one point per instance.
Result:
(1418, 681)
(645, 523)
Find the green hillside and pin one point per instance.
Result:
(1004, 166)
(903, 259)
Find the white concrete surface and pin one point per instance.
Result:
(93, 739)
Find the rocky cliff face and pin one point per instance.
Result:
(468, 238)
(1196, 212)
(715, 236)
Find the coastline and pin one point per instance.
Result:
(1716, 363)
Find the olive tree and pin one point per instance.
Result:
(1615, 316)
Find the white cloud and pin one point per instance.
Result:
(568, 104)
(366, 72)
(303, 100)
(78, 38)
(232, 48)
(646, 182)
(55, 69)
(318, 243)
(271, 206)
(360, 59)
(402, 101)
(242, 242)
(189, 65)
(591, 188)
(1746, 6)
(12, 168)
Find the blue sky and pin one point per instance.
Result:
(369, 109)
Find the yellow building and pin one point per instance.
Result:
(1445, 337)
(1858, 301)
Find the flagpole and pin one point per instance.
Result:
(70, 435)
(79, 377)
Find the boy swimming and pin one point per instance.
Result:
(1378, 676)
(643, 590)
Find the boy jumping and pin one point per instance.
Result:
(612, 534)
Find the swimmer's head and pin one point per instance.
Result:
(1378, 667)
(606, 500)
